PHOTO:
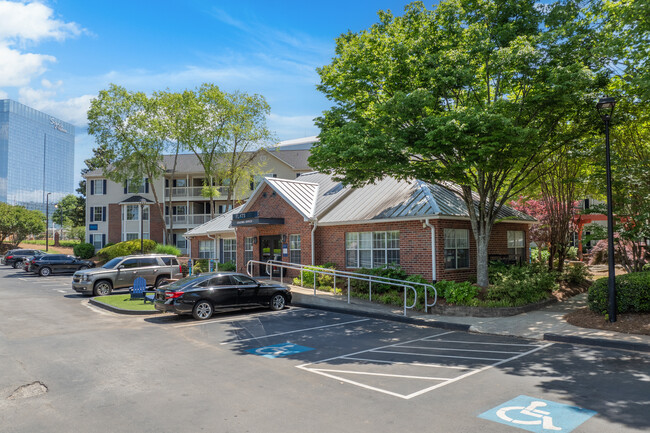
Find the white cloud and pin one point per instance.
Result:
(289, 127)
(22, 22)
(18, 69)
(72, 110)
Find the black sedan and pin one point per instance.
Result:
(200, 295)
(58, 263)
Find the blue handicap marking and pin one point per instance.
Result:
(537, 415)
(277, 350)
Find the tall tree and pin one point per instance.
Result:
(471, 92)
(125, 124)
(67, 212)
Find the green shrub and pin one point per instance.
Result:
(632, 294)
(572, 253)
(457, 293)
(126, 248)
(646, 267)
(520, 285)
(85, 251)
(534, 255)
(576, 273)
(167, 249)
(227, 266)
(321, 279)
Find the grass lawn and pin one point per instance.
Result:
(124, 302)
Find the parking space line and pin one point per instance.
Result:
(410, 364)
(330, 370)
(487, 367)
(437, 356)
(458, 350)
(404, 376)
(296, 330)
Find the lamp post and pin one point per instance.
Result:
(142, 203)
(47, 220)
(605, 107)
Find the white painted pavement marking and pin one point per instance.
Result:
(312, 367)
(458, 350)
(297, 330)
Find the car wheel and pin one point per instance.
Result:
(102, 288)
(277, 302)
(202, 310)
(45, 272)
(15, 265)
(19, 265)
(160, 281)
(81, 268)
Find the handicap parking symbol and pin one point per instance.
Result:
(278, 350)
(537, 415)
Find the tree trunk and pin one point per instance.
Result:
(482, 274)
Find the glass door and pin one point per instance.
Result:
(270, 249)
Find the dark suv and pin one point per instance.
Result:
(120, 272)
(15, 257)
(58, 264)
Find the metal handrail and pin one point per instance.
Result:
(270, 264)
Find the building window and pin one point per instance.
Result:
(456, 248)
(98, 213)
(294, 248)
(98, 187)
(98, 241)
(131, 212)
(372, 249)
(145, 213)
(248, 249)
(132, 236)
(229, 250)
(180, 241)
(516, 244)
(133, 187)
(206, 249)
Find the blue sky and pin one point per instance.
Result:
(56, 56)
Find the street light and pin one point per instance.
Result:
(47, 219)
(605, 107)
(142, 203)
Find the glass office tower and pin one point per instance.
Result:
(36, 156)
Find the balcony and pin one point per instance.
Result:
(187, 221)
(194, 193)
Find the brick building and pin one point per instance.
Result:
(315, 220)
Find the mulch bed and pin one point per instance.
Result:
(629, 323)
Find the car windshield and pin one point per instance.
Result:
(112, 263)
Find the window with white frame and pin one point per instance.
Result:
(294, 248)
(456, 248)
(145, 213)
(97, 187)
(371, 249)
(131, 212)
(181, 242)
(98, 241)
(132, 236)
(516, 243)
(98, 213)
(206, 249)
(229, 250)
(134, 187)
(248, 249)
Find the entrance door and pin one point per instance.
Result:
(270, 249)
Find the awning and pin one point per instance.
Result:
(257, 221)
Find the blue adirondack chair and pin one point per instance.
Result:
(139, 286)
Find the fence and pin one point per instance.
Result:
(407, 285)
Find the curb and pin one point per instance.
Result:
(599, 342)
(120, 310)
(382, 316)
(483, 312)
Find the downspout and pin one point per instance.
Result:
(433, 249)
(315, 222)
(215, 249)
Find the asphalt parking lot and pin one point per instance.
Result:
(296, 370)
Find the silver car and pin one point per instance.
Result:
(120, 272)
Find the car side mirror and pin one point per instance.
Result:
(120, 267)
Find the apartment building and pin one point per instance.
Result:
(119, 212)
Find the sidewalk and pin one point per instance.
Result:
(544, 324)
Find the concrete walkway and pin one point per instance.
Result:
(543, 324)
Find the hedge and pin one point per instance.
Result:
(632, 294)
(85, 250)
(126, 248)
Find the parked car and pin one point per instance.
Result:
(29, 260)
(15, 257)
(58, 264)
(200, 295)
(122, 271)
